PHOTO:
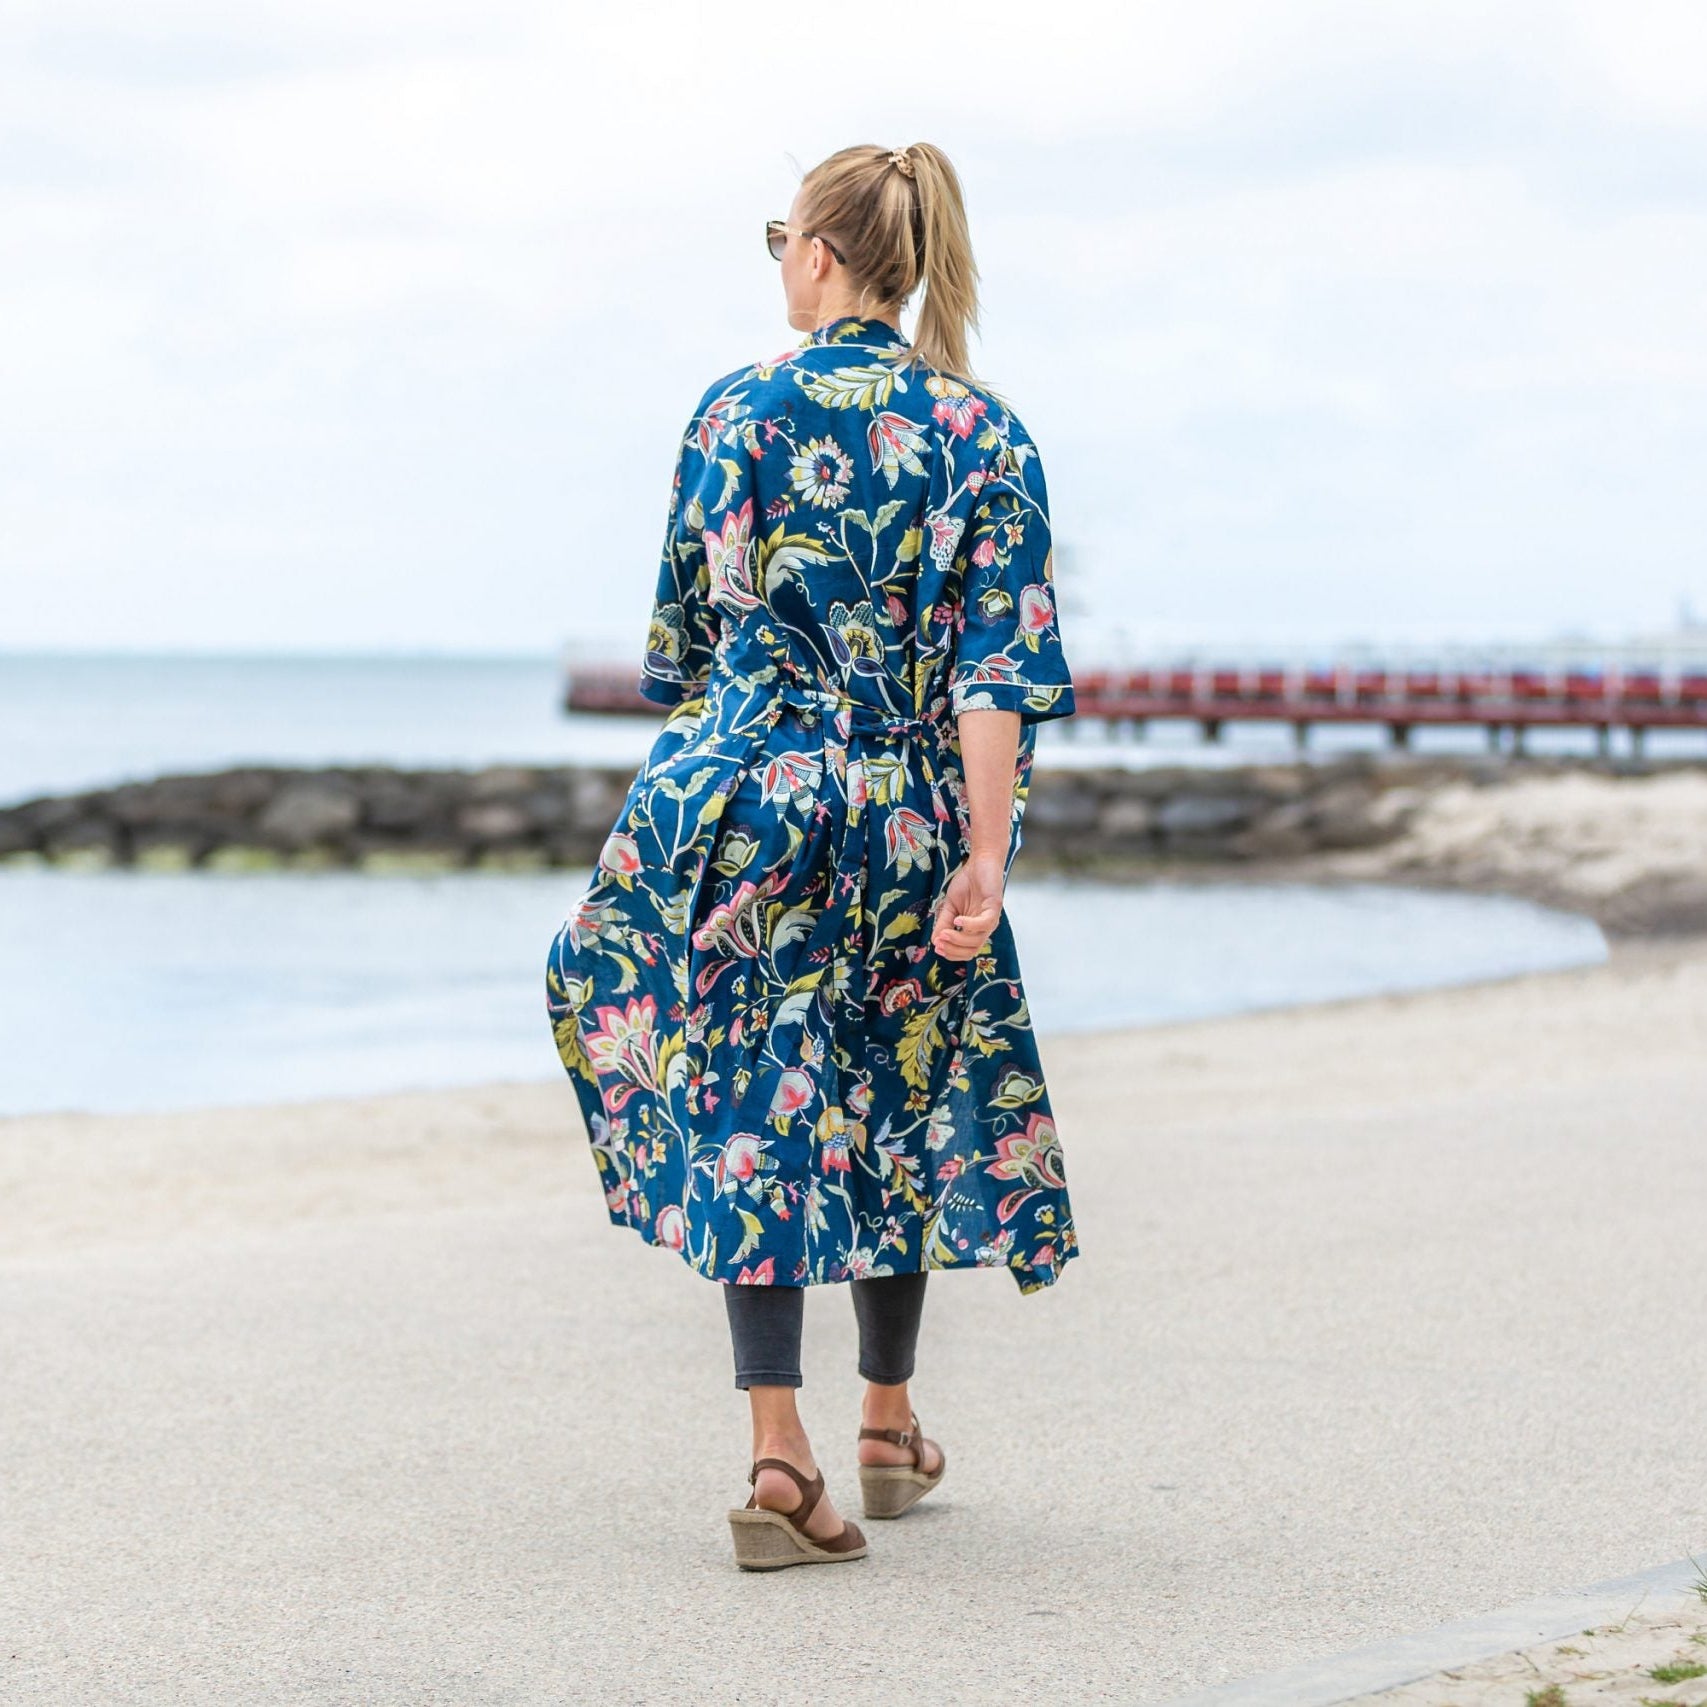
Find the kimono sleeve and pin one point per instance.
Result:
(1008, 654)
(682, 635)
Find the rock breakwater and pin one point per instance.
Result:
(1625, 843)
(520, 816)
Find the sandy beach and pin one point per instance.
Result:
(1388, 1313)
(1628, 850)
(1638, 1658)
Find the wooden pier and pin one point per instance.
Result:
(1400, 700)
(1515, 696)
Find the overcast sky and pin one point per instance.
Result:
(373, 325)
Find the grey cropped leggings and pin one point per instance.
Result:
(765, 1323)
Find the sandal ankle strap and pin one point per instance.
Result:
(910, 1436)
(810, 1491)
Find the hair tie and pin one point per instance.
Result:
(898, 158)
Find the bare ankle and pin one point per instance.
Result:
(887, 1407)
(789, 1444)
(777, 1429)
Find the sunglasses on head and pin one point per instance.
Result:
(777, 234)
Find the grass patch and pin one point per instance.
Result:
(1680, 1671)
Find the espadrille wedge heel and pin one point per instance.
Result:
(768, 1540)
(890, 1489)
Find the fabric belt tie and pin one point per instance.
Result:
(812, 705)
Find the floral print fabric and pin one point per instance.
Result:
(782, 1080)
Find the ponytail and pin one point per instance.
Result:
(899, 217)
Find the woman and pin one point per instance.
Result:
(789, 1003)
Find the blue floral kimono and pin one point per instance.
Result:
(782, 1080)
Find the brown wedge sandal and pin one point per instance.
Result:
(768, 1540)
(890, 1489)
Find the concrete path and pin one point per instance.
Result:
(1390, 1313)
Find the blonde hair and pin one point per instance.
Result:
(899, 218)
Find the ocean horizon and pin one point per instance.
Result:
(71, 722)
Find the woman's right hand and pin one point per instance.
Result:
(970, 909)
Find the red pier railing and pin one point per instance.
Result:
(1494, 697)
(1401, 699)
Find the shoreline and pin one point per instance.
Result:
(1621, 921)
(73, 1180)
(1624, 848)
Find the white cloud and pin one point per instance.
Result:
(374, 323)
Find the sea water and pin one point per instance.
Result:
(130, 990)
(151, 990)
